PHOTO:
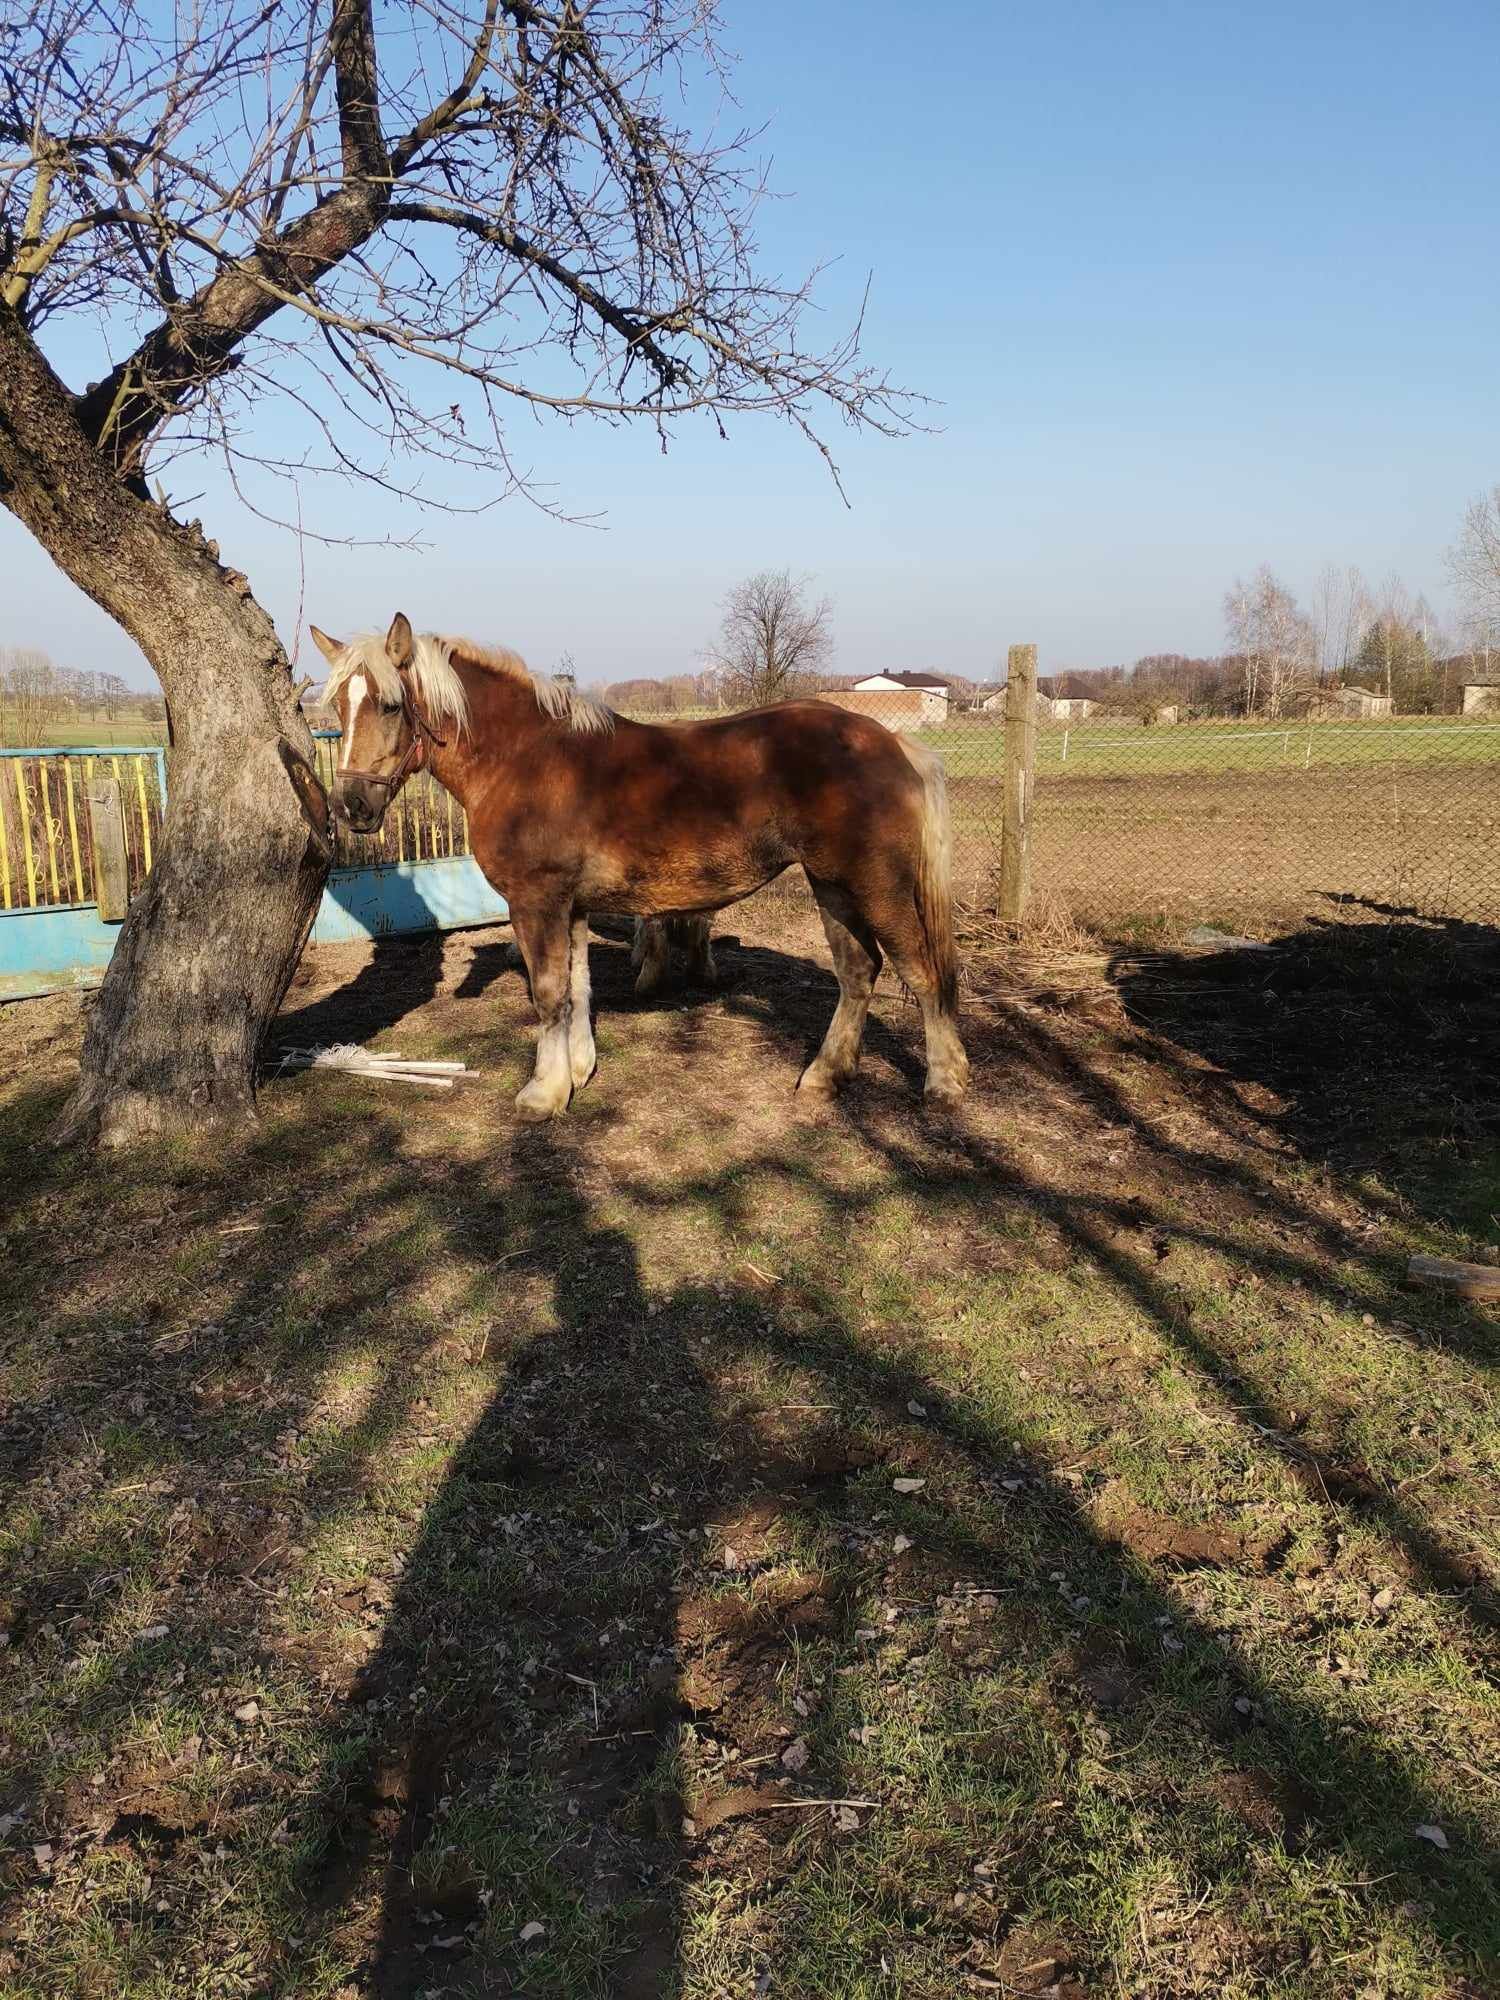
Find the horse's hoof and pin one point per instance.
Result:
(817, 1084)
(534, 1107)
(943, 1092)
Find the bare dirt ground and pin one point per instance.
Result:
(1258, 849)
(707, 1548)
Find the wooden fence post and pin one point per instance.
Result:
(1020, 767)
(111, 864)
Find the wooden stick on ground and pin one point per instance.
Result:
(1446, 1274)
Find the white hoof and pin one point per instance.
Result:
(536, 1103)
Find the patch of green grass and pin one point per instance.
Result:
(370, 1582)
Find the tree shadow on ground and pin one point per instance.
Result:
(566, 1689)
(576, 1551)
(1379, 1041)
(400, 975)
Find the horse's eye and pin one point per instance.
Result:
(390, 708)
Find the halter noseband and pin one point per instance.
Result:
(422, 733)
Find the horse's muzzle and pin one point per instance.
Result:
(360, 802)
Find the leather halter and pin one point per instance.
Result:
(413, 757)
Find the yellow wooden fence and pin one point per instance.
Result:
(46, 843)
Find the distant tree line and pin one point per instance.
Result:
(1281, 657)
(36, 696)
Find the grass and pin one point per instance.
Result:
(1106, 748)
(130, 730)
(449, 1557)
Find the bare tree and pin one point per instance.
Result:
(773, 641)
(1474, 566)
(30, 697)
(1341, 611)
(403, 224)
(1355, 608)
(1275, 641)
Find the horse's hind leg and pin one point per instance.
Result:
(651, 953)
(544, 937)
(947, 1065)
(698, 937)
(856, 960)
(582, 1061)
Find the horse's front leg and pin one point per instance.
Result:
(582, 1061)
(545, 938)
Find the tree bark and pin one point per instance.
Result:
(211, 942)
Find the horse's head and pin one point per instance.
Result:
(381, 736)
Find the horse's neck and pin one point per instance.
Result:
(503, 717)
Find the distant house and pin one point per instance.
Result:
(1064, 707)
(931, 687)
(1354, 703)
(320, 712)
(1482, 691)
(1049, 708)
(897, 708)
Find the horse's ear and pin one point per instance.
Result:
(329, 648)
(398, 642)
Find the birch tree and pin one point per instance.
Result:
(1474, 566)
(1275, 641)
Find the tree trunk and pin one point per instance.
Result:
(211, 942)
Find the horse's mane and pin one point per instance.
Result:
(440, 690)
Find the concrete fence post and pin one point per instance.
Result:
(1020, 770)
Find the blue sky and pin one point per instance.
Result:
(1195, 287)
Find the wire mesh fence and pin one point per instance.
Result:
(1261, 825)
(1249, 823)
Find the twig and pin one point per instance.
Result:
(790, 1805)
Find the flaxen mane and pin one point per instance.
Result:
(440, 690)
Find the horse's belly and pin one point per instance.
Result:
(680, 885)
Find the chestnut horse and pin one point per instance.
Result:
(572, 808)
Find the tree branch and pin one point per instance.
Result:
(357, 88)
(636, 332)
(201, 338)
(443, 115)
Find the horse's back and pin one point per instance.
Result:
(785, 750)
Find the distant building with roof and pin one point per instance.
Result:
(931, 690)
(1360, 704)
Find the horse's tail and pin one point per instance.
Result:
(934, 884)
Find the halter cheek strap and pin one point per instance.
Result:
(415, 754)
